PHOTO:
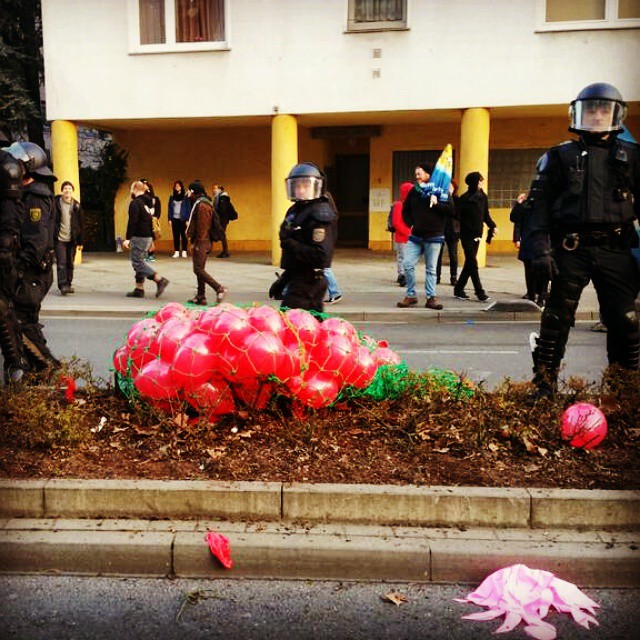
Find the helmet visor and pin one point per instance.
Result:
(597, 116)
(304, 188)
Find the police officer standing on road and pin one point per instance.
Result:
(584, 200)
(36, 255)
(306, 240)
(11, 214)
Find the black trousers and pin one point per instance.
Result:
(200, 254)
(306, 291)
(179, 231)
(616, 277)
(452, 250)
(10, 339)
(470, 268)
(65, 255)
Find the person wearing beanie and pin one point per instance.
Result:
(203, 229)
(474, 214)
(140, 238)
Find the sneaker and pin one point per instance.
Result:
(222, 294)
(150, 259)
(176, 254)
(184, 254)
(201, 300)
(482, 296)
(70, 289)
(461, 295)
(161, 286)
(407, 302)
(333, 299)
(64, 291)
(402, 281)
(599, 327)
(136, 293)
(432, 303)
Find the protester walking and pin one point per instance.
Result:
(139, 239)
(155, 207)
(67, 236)
(226, 212)
(474, 214)
(178, 211)
(203, 229)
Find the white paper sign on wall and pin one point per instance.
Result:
(379, 199)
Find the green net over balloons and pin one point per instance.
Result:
(221, 359)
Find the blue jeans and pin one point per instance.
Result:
(333, 289)
(399, 247)
(412, 252)
(139, 248)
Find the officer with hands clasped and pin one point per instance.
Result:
(11, 215)
(305, 239)
(584, 200)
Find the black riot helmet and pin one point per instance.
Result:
(598, 108)
(306, 182)
(34, 158)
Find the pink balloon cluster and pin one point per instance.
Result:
(226, 356)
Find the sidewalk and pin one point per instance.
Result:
(367, 281)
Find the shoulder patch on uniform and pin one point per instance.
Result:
(319, 234)
(35, 214)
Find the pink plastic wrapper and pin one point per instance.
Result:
(220, 548)
(523, 594)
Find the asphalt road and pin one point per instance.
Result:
(486, 351)
(51, 608)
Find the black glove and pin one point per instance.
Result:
(276, 290)
(544, 267)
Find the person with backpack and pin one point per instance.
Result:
(401, 233)
(203, 230)
(226, 212)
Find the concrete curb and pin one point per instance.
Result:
(178, 549)
(361, 504)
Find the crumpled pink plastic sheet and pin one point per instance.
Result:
(523, 594)
(220, 548)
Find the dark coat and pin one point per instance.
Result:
(36, 234)
(139, 225)
(77, 221)
(424, 220)
(474, 213)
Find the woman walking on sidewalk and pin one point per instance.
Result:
(139, 239)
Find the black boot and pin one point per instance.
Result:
(36, 349)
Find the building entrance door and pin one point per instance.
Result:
(349, 186)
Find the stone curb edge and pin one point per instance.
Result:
(102, 548)
(405, 505)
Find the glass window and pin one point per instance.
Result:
(628, 9)
(567, 10)
(510, 172)
(199, 20)
(152, 22)
(377, 15)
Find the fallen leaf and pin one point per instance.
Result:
(445, 450)
(542, 451)
(493, 447)
(215, 454)
(529, 446)
(395, 597)
(245, 434)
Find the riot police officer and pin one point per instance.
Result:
(35, 255)
(11, 213)
(584, 200)
(306, 240)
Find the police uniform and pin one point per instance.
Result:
(11, 215)
(584, 200)
(35, 257)
(306, 240)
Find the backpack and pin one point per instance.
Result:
(390, 227)
(215, 230)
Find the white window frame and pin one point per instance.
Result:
(170, 45)
(383, 25)
(611, 20)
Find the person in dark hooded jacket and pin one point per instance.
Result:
(474, 214)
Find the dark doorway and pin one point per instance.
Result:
(350, 188)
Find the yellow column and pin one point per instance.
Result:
(284, 155)
(64, 154)
(474, 155)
